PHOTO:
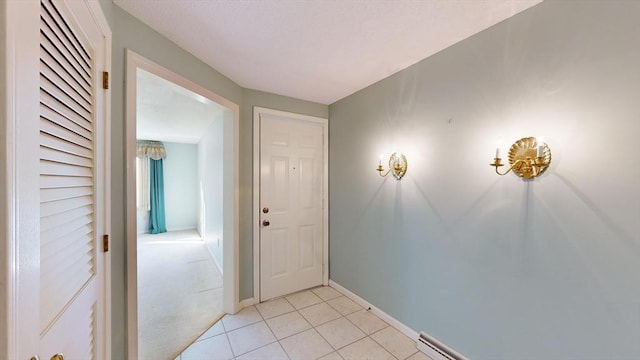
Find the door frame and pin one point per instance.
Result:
(17, 198)
(231, 199)
(324, 122)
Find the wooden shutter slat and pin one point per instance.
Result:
(66, 122)
(49, 101)
(56, 32)
(60, 132)
(47, 195)
(63, 98)
(56, 240)
(69, 33)
(48, 54)
(59, 169)
(93, 324)
(62, 84)
(47, 181)
(55, 143)
(58, 68)
(61, 219)
(66, 248)
(51, 42)
(61, 157)
(75, 258)
(50, 208)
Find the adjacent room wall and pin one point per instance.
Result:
(181, 186)
(497, 267)
(210, 162)
(142, 220)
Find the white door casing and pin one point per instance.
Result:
(291, 216)
(59, 295)
(231, 195)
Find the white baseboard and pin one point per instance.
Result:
(213, 256)
(412, 334)
(183, 229)
(216, 262)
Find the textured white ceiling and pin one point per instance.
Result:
(317, 50)
(168, 112)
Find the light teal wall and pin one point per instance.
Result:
(181, 186)
(496, 267)
(130, 33)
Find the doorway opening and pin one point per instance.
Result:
(196, 177)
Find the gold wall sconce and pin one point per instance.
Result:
(528, 157)
(397, 166)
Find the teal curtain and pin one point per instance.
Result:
(157, 222)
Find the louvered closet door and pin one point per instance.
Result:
(70, 279)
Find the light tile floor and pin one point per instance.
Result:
(319, 323)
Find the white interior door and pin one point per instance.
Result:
(292, 163)
(63, 207)
(72, 52)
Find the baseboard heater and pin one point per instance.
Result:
(435, 349)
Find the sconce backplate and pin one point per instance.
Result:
(524, 152)
(398, 165)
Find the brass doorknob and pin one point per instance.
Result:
(265, 210)
(59, 356)
(265, 222)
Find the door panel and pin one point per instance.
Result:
(291, 186)
(307, 248)
(279, 259)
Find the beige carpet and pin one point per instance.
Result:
(179, 293)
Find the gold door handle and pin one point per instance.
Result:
(58, 356)
(265, 210)
(265, 222)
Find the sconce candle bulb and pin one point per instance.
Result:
(528, 157)
(540, 143)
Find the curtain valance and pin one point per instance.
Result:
(151, 149)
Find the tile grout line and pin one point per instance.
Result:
(389, 351)
(294, 309)
(334, 350)
(257, 322)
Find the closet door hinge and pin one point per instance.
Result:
(105, 80)
(105, 243)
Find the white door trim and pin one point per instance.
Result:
(230, 302)
(20, 85)
(105, 331)
(257, 111)
(21, 41)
